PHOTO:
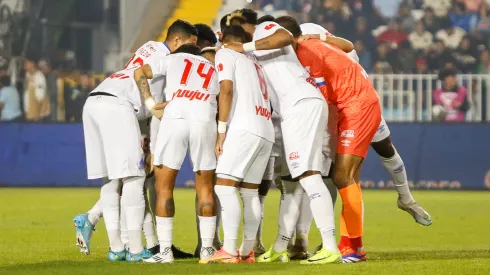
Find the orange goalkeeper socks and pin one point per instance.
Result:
(352, 216)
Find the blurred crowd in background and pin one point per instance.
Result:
(403, 36)
(442, 37)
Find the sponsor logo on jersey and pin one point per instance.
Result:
(347, 134)
(345, 142)
(191, 95)
(261, 111)
(293, 156)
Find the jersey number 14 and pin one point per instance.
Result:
(207, 76)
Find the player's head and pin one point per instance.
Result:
(222, 26)
(236, 34)
(209, 53)
(265, 18)
(206, 37)
(449, 79)
(237, 18)
(188, 48)
(290, 24)
(179, 33)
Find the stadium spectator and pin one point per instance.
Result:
(451, 99)
(461, 18)
(483, 25)
(394, 34)
(420, 39)
(439, 56)
(407, 57)
(449, 34)
(10, 109)
(465, 56)
(484, 63)
(51, 86)
(431, 22)
(387, 9)
(365, 56)
(385, 59)
(36, 99)
(364, 34)
(407, 20)
(421, 66)
(75, 98)
(338, 13)
(440, 7)
(472, 6)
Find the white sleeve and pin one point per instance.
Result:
(159, 66)
(40, 88)
(354, 55)
(266, 29)
(226, 65)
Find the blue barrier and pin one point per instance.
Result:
(437, 156)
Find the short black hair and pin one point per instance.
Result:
(290, 24)
(188, 48)
(250, 15)
(236, 33)
(265, 18)
(235, 18)
(181, 27)
(206, 36)
(447, 72)
(222, 22)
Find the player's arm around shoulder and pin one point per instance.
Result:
(141, 76)
(270, 36)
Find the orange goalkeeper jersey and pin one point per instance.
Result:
(342, 81)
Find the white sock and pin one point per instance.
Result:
(322, 209)
(258, 237)
(251, 219)
(332, 189)
(207, 228)
(109, 197)
(133, 204)
(396, 168)
(288, 213)
(304, 222)
(217, 204)
(149, 229)
(95, 213)
(124, 228)
(230, 215)
(165, 227)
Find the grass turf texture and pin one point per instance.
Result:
(37, 236)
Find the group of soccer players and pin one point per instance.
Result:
(275, 102)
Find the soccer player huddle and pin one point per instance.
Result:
(276, 102)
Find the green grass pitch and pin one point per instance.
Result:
(37, 236)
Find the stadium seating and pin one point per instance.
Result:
(194, 12)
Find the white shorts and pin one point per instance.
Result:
(112, 139)
(244, 157)
(180, 136)
(383, 131)
(329, 146)
(303, 128)
(154, 126)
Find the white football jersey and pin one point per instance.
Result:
(122, 85)
(191, 86)
(251, 109)
(285, 73)
(310, 28)
(151, 50)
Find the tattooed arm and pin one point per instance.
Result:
(141, 76)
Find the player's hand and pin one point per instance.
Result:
(157, 111)
(307, 37)
(456, 104)
(219, 144)
(236, 46)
